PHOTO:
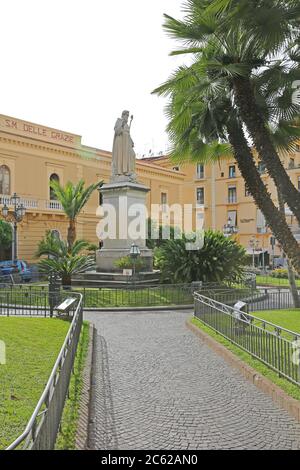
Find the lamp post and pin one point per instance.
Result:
(254, 245)
(229, 229)
(135, 252)
(15, 216)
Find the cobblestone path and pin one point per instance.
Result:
(158, 386)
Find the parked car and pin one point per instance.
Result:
(19, 267)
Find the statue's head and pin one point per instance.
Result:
(125, 114)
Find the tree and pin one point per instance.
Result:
(62, 260)
(5, 238)
(220, 259)
(204, 126)
(249, 39)
(73, 198)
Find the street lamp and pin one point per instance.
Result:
(229, 229)
(16, 216)
(254, 245)
(135, 252)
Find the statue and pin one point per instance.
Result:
(123, 155)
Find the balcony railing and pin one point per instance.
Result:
(30, 203)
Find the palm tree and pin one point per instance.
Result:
(73, 198)
(204, 126)
(220, 259)
(62, 260)
(247, 38)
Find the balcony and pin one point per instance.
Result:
(32, 205)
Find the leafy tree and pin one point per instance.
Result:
(73, 198)
(220, 259)
(63, 261)
(5, 237)
(158, 233)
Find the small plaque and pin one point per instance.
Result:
(127, 272)
(64, 307)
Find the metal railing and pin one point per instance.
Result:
(37, 296)
(259, 299)
(25, 300)
(273, 345)
(43, 426)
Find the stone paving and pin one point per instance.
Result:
(157, 386)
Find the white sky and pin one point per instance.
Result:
(76, 64)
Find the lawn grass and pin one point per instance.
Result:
(273, 281)
(32, 346)
(67, 436)
(290, 388)
(289, 318)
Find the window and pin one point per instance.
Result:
(260, 222)
(232, 173)
(56, 234)
(298, 183)
(200, 171)
(291, 163)
(164, 201)
(200, 196)
(100, 199)
(232, 215)
(297, 148)
(232, 195)
(247, 192)
(176, 168)
(4, 180)
(261, 167)
(53, 177)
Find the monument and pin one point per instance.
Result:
(124, 199)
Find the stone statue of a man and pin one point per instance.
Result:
(123, 155)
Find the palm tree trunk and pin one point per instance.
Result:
(71, 237)
(262, 198)
(250, 114)
(291, 275)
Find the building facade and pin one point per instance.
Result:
(32, 155)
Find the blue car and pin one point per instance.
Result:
(16, 267)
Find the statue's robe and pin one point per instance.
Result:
(123, 155)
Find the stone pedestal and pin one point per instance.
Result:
(124, 222)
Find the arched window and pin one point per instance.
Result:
(53, 177)
(56, 233)
(4, 180)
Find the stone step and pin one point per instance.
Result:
(113, 284)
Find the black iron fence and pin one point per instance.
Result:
(259, 299)
(277, 347)
(42, 428)
(40, 299)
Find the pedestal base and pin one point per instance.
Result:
(106, 259)
(124, 201)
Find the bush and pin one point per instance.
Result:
(281, 273)
(127, 263)
(220, 259)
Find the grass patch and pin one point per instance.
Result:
(289, 318)
(67, 436)
(32, 346)
(274, 282)
(288, 387)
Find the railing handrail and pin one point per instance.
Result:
(235, 310)
(52, 376)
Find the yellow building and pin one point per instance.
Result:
(32, 154)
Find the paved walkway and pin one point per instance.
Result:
(157, 386)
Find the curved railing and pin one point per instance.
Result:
(275, 346)
(42, 428)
